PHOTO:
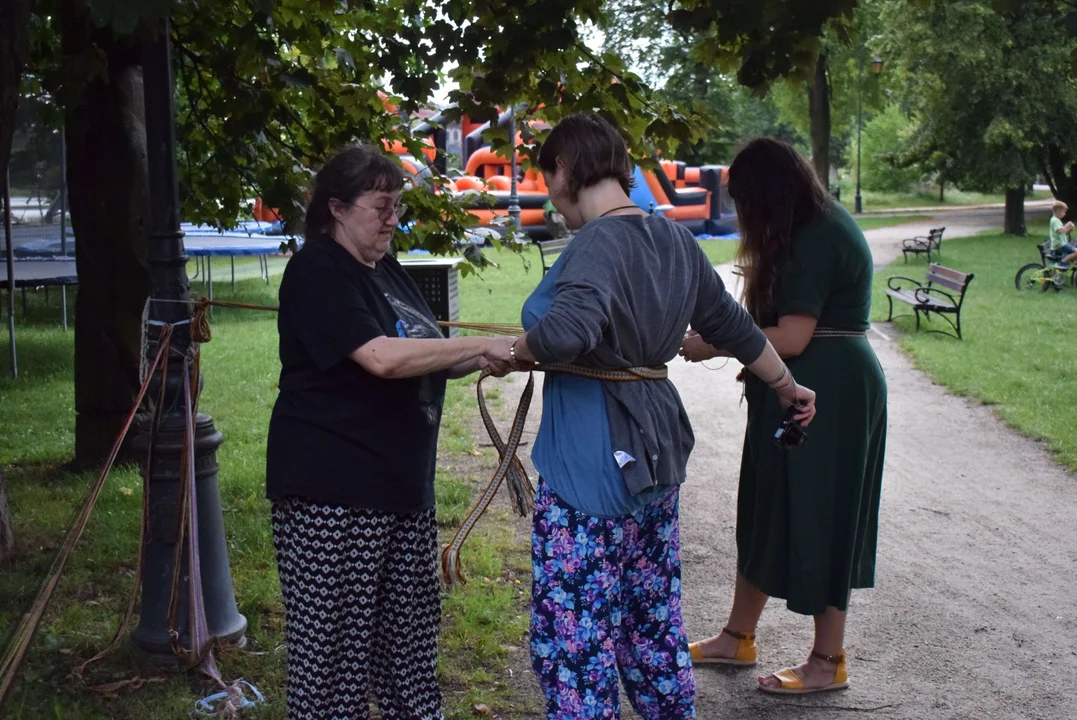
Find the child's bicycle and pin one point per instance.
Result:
(1045, 275)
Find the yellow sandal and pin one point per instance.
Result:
(744, 657)
(791, 684)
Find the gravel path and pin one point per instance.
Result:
(973, 614)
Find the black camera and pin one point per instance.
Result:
(790, 433)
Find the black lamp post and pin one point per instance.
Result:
(876, 68)
(168, 273)
(514, 196)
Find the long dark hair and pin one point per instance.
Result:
(347, 175)
(777, 194)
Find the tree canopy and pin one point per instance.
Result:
(990, 87)
(267, 89)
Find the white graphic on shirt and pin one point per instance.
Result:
(412, 323)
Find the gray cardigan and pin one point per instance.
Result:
(629, 287)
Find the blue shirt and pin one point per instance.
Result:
(573, 451)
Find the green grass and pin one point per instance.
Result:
(952, 196)
(874, 223)
(1018, 351)
(719, 252)
(496, 295)
(482, 619)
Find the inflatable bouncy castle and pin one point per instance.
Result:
(694, 196)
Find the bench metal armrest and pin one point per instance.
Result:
(890, 282)
(916, 242)
(923, 295)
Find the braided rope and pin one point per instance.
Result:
(521, 490)
(830, 332)
(15, 653)
(509, 466)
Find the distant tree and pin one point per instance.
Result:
(992, 92)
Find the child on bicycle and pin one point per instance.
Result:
(1061, 247)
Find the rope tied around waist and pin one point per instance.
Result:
(823, 331)
(510, 469)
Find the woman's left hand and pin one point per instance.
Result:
(694, 349)
(805, 402)
(496, 368)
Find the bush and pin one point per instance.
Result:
(883, 136)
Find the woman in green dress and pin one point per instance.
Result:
(807, 517)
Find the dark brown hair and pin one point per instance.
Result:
(347, 175)
(591, 150)
(777, 194)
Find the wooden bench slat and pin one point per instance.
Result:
(547, 247)
(923, 299)
(948, 273)
(903, 295)
(937, 302)
(945, 282)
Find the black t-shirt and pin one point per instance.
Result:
(340, 435)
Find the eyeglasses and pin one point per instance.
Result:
(384, 213)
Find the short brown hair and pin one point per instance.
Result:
(591, 150)
(347, 175)
(1059, 205)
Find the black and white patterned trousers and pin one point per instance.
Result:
(362, 611)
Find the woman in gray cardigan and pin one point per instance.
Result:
(611, 455)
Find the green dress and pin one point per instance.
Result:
(807, 518)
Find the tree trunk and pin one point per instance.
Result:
(1062, 179)
(14, 24)
(1015, 211)
(109, 199)
(7, 535)
(819, 110)
(942, 187)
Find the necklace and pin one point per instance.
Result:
(622, 207)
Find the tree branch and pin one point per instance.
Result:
(590, 55)
(200, 119)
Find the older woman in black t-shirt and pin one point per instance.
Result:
(352, 453)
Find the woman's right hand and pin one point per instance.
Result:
(694, 349)
(498, 349)
(498, 355)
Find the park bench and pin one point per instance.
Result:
(923, 244)
(550, 249)
(942, 292)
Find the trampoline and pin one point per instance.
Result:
(34, 274)
(39, 273)
(50, 262)
(201, 243)
(203, 247)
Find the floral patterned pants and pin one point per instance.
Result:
(606, 596)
